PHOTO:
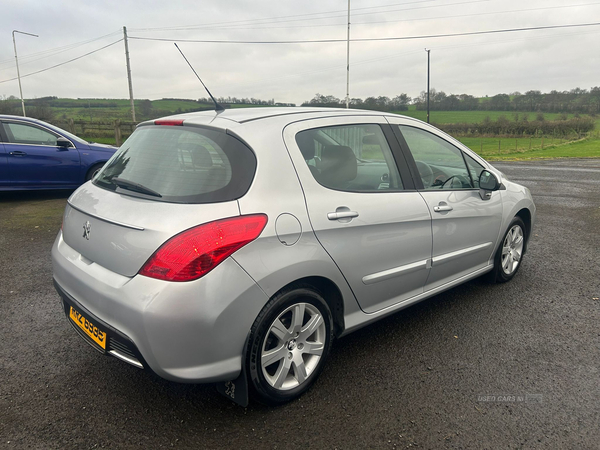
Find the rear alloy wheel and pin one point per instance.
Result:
(510, 254)
(289, 343)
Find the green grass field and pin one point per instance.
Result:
(495, 149)
(99, 110)
(110, 109)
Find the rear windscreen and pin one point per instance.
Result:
(181, 165)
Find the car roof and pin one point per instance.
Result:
(244, 115)
(27, 119)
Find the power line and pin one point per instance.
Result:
(55, 51)
(339, 24)
(297, 19)
(339, 67)
(480, 14)
(381, 39)
(247, 21)
(63, 63)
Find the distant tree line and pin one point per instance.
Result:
(398, 103)
(574, 101)
(243, 101)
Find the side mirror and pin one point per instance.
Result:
(487, 184)
(63, 143)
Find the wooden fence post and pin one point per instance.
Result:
(71, 126)
(118, 132)
(542, 142)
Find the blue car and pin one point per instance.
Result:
(37, 155)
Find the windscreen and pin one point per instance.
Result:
(181, 165)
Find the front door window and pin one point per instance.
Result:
(19, 133)
(440, 164)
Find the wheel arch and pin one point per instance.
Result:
(525, 216)
(331, 294)
(92, 167)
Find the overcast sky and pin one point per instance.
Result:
(559, 59)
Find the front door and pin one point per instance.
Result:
(465, 227)
(363, 207)
(34, 159)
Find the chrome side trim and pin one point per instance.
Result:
(457, 254)
(127, 359)
(396, 271)
(114, 222)
(360, 319)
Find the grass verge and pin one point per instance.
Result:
(584, 148)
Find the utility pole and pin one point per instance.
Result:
(17, 61)
(129, 73)
(348, 62)
(427, 84)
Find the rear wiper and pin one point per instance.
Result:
(132, 186)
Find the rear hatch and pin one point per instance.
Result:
(162, 181)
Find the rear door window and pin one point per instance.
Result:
(181, 165)
(355, 158)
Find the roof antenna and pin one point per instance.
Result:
(218, 107)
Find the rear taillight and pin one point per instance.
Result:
(195, 252)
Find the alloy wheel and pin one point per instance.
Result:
(512, 250)
(293, 346)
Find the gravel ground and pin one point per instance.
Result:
(480, 366)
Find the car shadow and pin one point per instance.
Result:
(22, 196)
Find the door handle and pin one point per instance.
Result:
(342, 215)
(442, 207)
(17, 153)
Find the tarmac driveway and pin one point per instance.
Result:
(480, 366)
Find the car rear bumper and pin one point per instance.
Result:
(192, 332)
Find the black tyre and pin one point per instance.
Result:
(289, 343)
(93, 171)
(510, 253)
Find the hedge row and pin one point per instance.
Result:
(503, 126)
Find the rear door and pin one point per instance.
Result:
(465, 227)
(363, 207)
(34, 158)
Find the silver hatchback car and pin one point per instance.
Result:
(233, 247)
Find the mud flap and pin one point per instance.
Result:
(236, 390)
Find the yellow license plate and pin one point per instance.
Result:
(97, 335)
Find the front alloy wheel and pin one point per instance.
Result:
(509, 256)
(289, 343)
(512, 250)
